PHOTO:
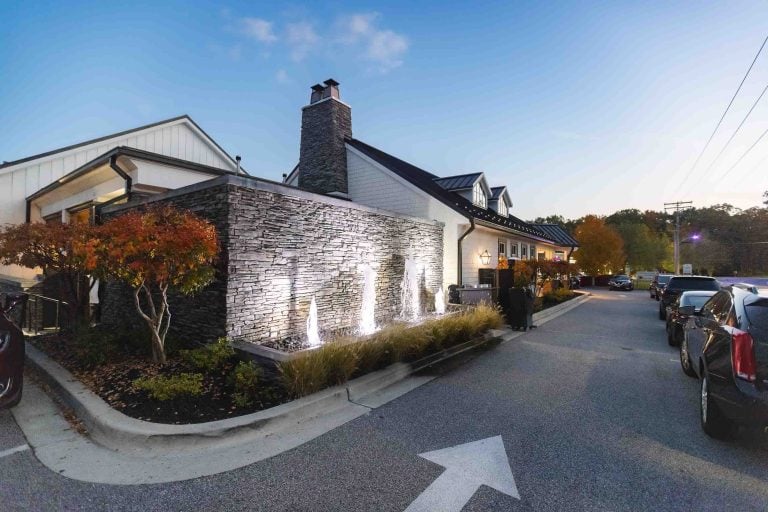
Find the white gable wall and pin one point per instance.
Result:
(178, 139)
(372, 185)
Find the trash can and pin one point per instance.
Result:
(516, 311)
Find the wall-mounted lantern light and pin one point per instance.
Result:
(485, 257)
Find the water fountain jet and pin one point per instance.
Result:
(368, 310)
(313, 335)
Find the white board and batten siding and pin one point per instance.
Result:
(178, 139)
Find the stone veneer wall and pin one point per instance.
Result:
(282, 246)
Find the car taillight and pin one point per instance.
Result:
(743, 355)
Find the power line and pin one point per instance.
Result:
(745, 154)
(737, 130)
(693, 167)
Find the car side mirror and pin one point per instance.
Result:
(686, 310)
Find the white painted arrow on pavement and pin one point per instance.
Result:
(467, 467)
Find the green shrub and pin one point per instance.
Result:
(209, 357)
(94, 346)
(246, 376)
(335, 362)
(162, 387)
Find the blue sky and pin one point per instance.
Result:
(577, 107)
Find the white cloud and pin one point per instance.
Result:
(258, 29)
(282, 77)
(384, 48)
(301, 38)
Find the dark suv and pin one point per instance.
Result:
(657, 286)
(726, 346)
(680, 284)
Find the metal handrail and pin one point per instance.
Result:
(31, 320)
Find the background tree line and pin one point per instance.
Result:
(730, 240)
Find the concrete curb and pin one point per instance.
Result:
(119, 432)
(126, 451)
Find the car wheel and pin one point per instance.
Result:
(16, 401)
(712, 420)
(685, 359)
(662, 312)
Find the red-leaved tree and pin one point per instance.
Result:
(49, 247)
(154, 250)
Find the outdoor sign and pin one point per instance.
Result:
(687, 269)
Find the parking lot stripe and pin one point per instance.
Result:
(18, 449)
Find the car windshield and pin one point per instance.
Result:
(694, 300)
(693, 283)
(621, 278)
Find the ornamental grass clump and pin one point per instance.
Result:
(335, 362)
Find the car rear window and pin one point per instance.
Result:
(693, 283)
(757, 313)
(694, 300)
(663, 279)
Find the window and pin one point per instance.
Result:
(478, 196)
(502, 207)
(502, 248)
(532, 252)
(524, 251)
(559, 256)
(513, 250)
(542, 256)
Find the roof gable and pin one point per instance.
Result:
(426, 181)
(178, 137)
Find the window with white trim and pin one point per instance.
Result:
(532, 252)
(513, 249)
(524, 251)
(502, 207)
(478, 196)
(502, 248)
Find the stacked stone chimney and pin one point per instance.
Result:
(325, 123)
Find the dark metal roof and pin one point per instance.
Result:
(460, 182)
(557, 234)
(118, 134)
(496, 192)
(427, 182)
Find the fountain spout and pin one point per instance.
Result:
(368, 310)
(313, 336)
(439, 302)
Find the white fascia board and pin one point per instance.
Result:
(507, 231)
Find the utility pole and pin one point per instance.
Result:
(677, 207)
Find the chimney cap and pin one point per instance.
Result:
(331, 82)
(317, 88)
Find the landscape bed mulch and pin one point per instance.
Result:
(113, 382)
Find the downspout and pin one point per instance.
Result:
(122, 174)
(461, 239)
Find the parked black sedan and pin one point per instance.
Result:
(11, 354)
(680, 284)
(621, 282)
(657, 285)
(676, 319)
(726, 346)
